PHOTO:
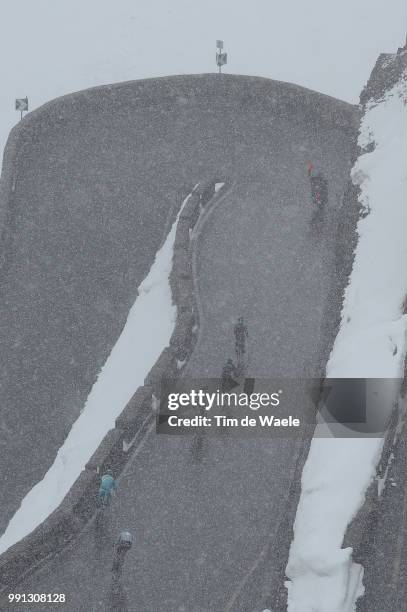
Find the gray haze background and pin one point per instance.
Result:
(49, 48)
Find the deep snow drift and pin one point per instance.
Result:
(146, 333)
(371, 343)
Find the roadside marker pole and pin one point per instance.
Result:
(221, 58)
(22, 105)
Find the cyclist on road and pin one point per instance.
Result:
(123, 545)
(319, 186)
(229, 375)
(107, 486)
(241, 336)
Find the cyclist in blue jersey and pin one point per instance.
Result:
(107, 486)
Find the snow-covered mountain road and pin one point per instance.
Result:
(201, 522)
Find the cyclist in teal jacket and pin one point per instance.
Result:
(107, 486)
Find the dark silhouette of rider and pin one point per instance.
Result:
(229, 376)
(123, 545)
(241, 336)
(319, 186)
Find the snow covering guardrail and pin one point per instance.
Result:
(339, 490)
(79, 505)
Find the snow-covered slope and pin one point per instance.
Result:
(371, 343)
(147, 332)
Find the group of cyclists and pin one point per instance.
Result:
(230, 375)
(125, 540)
(107, 485)
(231, 372)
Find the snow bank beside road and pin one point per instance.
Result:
(146, 333)
(371, 343)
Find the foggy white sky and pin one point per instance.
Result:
(52, 47)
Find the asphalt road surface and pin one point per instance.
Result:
(202, 514)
